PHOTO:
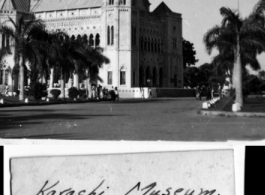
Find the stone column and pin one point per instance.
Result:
(51, 78)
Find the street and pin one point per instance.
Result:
(173, 119)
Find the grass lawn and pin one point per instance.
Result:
(250, 104)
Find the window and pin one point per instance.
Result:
(91, 40)
(109, 77)
(111, 2)
(142, 44)
(122, 78)
(149, 45)
(133, 78)
(108, 35)
(112, 35)
(97, 40)
(122, 2)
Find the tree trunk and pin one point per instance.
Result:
(22, 77)
(238, 76)
(63, 85)
(51, 77)
(10, 82)
(76, 80)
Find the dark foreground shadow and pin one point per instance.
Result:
(16, 119)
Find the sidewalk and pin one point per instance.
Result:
(10, 101)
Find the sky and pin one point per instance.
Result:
(198, 16)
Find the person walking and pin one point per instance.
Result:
(116, 94)
(150, 92)
(142, 92)
(6, 89)
(93, 92)
(208, 93)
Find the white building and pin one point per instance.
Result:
(145, 48)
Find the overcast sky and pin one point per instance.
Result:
(200, 15)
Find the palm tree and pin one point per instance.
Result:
(241, 38)
(76, 56)
(25, 47)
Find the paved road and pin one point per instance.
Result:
(159, 119)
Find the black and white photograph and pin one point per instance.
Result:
(130, 97)
(142, 70)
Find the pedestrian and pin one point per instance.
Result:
(208, 93)
(98, 92)
(104, 93)
(6, 89)
(142, 92)
(116, 94)
(93, 92)
(150, 92)
(220, 90)
(197, 93)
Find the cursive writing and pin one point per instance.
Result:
(51, 191)
(146, 190)
(150, 190)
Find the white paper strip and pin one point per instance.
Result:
(171, 173)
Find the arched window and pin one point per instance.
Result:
(155, 47)
(159, 46)
(145, 44)
(161, 77)
(149, 45)
(141, 76)
(97, 40)
(141, 44)
(72, 37)
(112, 35)
(154, 77)
(78, 37)
(152, 45)
(85, 39)
(91, 40)
(108, 35)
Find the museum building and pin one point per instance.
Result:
(144, 47)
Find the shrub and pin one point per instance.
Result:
(38, 90)
(82, 93)
(73, 92)
(17, 92)
(55, 93)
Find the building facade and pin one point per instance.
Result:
(144, 48)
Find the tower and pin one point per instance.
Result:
(117, 31)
